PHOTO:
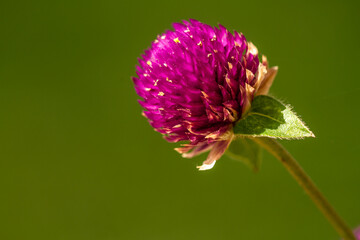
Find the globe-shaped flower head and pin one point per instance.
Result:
(196, 82)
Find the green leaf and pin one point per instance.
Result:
(268, 117)
(247, 151)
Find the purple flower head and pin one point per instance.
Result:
(196, 82)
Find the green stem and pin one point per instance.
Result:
(307, 184)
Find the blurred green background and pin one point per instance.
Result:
(78, 161)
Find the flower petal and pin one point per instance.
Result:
(206, 166)
(267, 82)
(215, 154)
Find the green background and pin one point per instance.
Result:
(78, 161)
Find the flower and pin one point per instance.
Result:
(196, 82)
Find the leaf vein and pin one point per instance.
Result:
(267, 116)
